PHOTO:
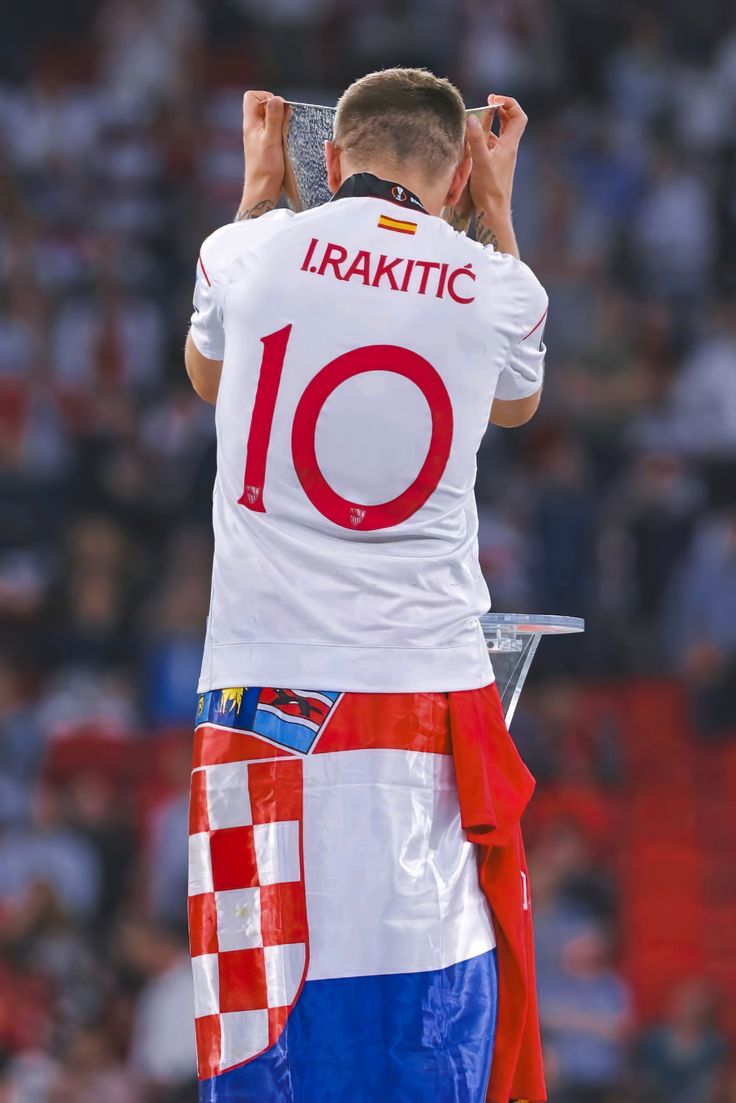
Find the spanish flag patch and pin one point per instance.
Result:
(385, 222)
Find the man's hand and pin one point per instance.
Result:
(492, 179)
(494, 156)
(265, 118)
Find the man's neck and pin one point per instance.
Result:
(394, 174)
(362, 185)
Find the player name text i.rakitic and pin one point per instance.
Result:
(423, 277)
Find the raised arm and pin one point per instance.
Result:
(203, 372)
(491, 187)
(492, 178)
(519, 386)
(264, 120)
(510, 413)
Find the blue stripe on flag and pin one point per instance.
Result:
(407, 1038)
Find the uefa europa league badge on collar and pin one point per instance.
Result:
(309, 126)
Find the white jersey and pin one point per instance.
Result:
(363, 343)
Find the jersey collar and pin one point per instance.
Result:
(363, 184)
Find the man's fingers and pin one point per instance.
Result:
(275, 108)
(512, 119)
(512, 124)
(285, 123)
(256, 95)
(475, 135)
(488, 119)
(479, 139)
(253, 105)
(507, 103)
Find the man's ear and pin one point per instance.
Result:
(334, 170)
(460, 179)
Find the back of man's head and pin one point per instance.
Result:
(401, 116)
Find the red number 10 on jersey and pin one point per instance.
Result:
(369, 358)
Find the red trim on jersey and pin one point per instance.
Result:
(204, 270)
(536, 326)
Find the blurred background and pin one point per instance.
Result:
(120, 150)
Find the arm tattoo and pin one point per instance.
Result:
(254, 212)
(484, 234)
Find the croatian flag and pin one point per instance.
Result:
(342, 947)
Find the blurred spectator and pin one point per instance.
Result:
(30, 1076)
(586, 1016)
(681, 1059)
(21, 749)
(47, 863)
(500, 42)
(704, 624)
(674, 232)
(96, 815)
(704, 397)
(162, 1050)
(504, 555)
(570, 893)
(650, 518)
(51, 125)
(88, 614)
(619, 370)
(562, 526)
(168, 835)
(146, 49)
(176, 616)
(727, 1089)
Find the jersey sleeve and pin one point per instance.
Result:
(208, 331)
(523, 373)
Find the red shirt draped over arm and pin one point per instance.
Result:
(495, 787)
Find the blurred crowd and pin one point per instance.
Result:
(121, 150)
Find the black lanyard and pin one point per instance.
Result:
(364, 184)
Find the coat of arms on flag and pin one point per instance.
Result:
(290, 718)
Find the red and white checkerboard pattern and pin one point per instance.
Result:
(247, 909)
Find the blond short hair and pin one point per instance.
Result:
(402, 115)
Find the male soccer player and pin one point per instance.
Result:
(359, 909)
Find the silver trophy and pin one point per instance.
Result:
(309, 127)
